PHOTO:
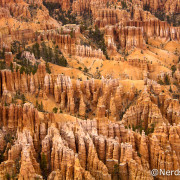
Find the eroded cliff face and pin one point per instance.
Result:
(156, 28)
(93, 6)
(132, 34)
(21, 7)
(121, 21)
(104, 98)
(73, 96)
(88, 149)
(133, 24)
(167, 5)
(120, 126)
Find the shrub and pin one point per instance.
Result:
(39, 106)
(85, 69)
(23, 98)
(60, 111)
(55, 109)
(166, 80)
(138, 153)
(160, 15)
(160, 82)
(173, 68)
(170, 89)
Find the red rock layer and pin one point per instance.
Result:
(80, 149)
(156, 28)
(91, 6)
(128, 37)
(86, 51)
(74, 96)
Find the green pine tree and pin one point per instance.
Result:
(23, 98)
(41, 106)
(43, 165)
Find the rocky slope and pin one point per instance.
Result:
(88, 149)
(89, 89)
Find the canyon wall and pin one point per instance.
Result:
(87, 149)
(104, 98)
(131, 34)
(127, 37)
(156, 28)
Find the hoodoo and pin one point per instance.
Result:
(89, 89)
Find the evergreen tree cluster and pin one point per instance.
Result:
(87, 20)
(2, 53)
(15, 47)
(26, 66)
(55, 109)
(146, 7)
(98, 37)
(63, 16)
(51, 7)
(19, 96)
(2, 65)
(166, 81)
(36, 50)
(140, 128)
(160, 15)
(171, 19)
(48, 54)
(124, 5)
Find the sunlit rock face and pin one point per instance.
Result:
(89, 89)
